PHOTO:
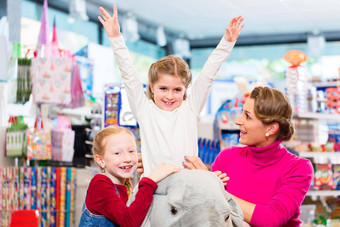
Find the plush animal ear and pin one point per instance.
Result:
(236, 212)
(162, 188)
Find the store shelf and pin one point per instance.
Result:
(318, 154)
(326, 84)
(319, 116)
(324, 193)
(231, 127)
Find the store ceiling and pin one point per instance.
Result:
(203, 21)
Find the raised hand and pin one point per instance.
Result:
(110, 24)
(233, 30)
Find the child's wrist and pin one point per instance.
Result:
(116, 35)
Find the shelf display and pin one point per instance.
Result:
(225, 129)
(333, 99)
(16, 138)
(116, 107)
(117, 110)
(111, 105)
(39, 188)
(208, 150)
(296, 80)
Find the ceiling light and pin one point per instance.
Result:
(77, 10)
(181, 48)
(316, 45)
(161, 37)
(130, 28)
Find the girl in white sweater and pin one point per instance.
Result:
(166, 116)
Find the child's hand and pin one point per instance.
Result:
(234, 29)
(110, 24)
(222, 176)
(162, 171)
(140, 167)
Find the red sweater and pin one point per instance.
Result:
(102, 199)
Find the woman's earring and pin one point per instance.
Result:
(102, 169)
(267, 134)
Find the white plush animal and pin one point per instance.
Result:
(192, 198)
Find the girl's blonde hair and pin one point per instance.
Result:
(99, 145)
(272, 106)
(170, 65)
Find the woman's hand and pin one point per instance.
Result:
(162, 171)
(193, 162)
(223, 176)
(233, 30)
(110, 24)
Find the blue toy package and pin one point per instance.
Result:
(208, 150)
(229, 139)
(335, 139)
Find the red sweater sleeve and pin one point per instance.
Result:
(102, 199)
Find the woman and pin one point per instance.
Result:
(267, 181)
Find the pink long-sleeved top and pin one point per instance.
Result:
(270, 177)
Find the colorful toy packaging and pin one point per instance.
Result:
(323, 176)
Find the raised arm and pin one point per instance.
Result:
(134, 87)
(233, 30)
(201, 88)
(110, 24)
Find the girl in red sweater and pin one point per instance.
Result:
(115, 152)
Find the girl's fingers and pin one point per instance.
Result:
(115, 11)
(239, 21)
(188, 165)
(101, 20)
(105, 14)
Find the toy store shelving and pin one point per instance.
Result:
(319, 116)
(334, 193)
(324, 117)
(329, 155)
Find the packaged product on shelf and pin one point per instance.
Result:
(336, 173)
(333, 99)
(51, 80)
(63, 140)
(323, 176)
(296, 80)
(39, 141)
(307, 215)
(24, 85)
(335, 139)
(111, 103)
(16, 138)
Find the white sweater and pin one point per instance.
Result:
(168, 136)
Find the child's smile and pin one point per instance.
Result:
(120, 156)
(168, 92)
